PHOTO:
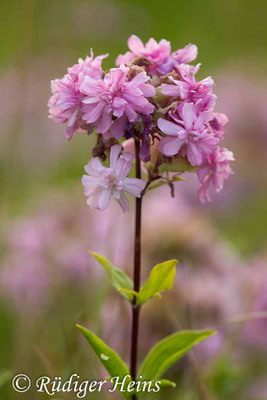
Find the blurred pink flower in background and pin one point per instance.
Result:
(24, 281)
(105, 236)
(213, 285)
(50, 248)
(114, 311)
(253, 284)
(212, 347)
(247, 131)
(180, 224)
(33, 235)
(74, 262)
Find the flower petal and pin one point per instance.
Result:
(92, 112)
(94, 167)
(193, 154)
(123, 202)
(188, 115)
(170, 146)
(203, 172)
(114, 155)
(133, 186)
(104, 121)
(169, 127)
(118, 127)
(104, 199)
(170, 90)
(116, 76)
(139, 79)
(148, 90)
(135, 44)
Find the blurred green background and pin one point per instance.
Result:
(46, 226)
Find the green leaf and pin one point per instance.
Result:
(108, 357)
(161, 382)
(161, 278)
(118, 278)
(156, 384)
(166, 382)
(168, 351)
(177, 178)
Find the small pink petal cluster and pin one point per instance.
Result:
(153, 97)
(116, 96)
(160, 56)
(102, 182)
(65, 104)
(214, 170)
(188, 134)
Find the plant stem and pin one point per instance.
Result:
(137, 269)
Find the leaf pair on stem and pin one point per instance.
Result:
(166, 352)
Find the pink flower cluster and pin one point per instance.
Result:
(87, 98)
(151, 96)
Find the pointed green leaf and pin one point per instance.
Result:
(168, 351)
(118, 278)
(154, 385)
(177, 178)
(160, 383)
(166, 382)
(161, 278)
(108, 357)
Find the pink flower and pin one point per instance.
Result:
(218, 123)
(66, 100)
(190, 134)
(188, 88)
(90, 67)
(157, 53)
(65, 103)
(186, 55)
(102, 182)
(115, 96)
(213, 172)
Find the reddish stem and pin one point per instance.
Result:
(137, 269)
